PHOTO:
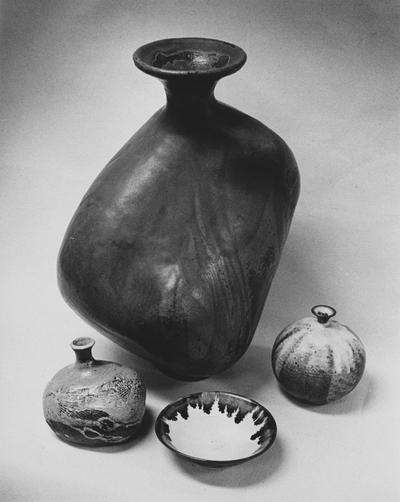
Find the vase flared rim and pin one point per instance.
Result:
(189, 57)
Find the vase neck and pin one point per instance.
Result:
(83, 350)
(189, 97)
(189, 69)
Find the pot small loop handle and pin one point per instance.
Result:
(323, 313)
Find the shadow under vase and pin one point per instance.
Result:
(248, 375)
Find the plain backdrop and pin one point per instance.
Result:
(325, 76)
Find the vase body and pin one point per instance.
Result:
(172, 251)
(94, 403)
(317, 360)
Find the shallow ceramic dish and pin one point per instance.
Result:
(216, 428)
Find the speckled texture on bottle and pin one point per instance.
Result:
(95, 403)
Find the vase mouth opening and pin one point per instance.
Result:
(189, 57)
(323, 313)
(82, 343)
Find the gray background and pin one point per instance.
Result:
(324, 75)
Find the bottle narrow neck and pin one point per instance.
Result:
(84, 356)
(83, 349)
(189, 97)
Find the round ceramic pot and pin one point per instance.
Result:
(317, 360)
(172, 251)
(94, 403)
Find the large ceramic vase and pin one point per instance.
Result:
(172, 251)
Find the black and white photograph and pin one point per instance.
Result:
(200, 241)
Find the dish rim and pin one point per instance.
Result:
(211, 462)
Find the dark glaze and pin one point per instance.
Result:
(228, 403)
(172, 251)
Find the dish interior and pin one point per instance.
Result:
(217, 427)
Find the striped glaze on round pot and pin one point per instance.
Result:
(94, 403)
(316, 359)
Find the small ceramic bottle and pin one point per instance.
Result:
(316, 359)
(95, 403)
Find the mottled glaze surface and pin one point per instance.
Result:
(94, 403)
(216, 428)
(172, 251)
(189, 56)
(318, 361)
